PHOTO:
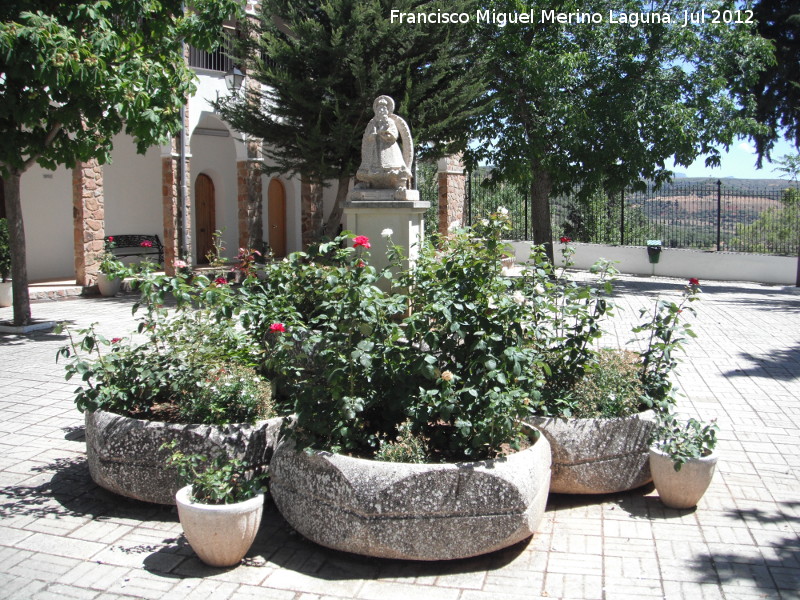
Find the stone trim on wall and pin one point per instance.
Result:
(170, 207)
(250, 204)
(452, 192)
(310, 212)
(88, 220)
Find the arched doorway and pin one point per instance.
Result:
(276, 215)
(205, 215)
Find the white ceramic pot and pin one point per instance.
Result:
(684, 488)
(109, 286)
(220, 534)
(6, 298)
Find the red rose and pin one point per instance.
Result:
(116, 340)
(277, 328)
(361, 240)
(111, 238)
(565, 240)
(146, 244)
(694, 281)
(221, 281)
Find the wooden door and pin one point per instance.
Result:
(205, 214)
(276, 215)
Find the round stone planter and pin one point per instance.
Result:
(220, 534)
(598, 456)
(411, 511)
(125, 455)
(684, 488)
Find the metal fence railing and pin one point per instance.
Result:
(739, 216)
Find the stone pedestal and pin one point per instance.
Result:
(370, 211)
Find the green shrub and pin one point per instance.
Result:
(191, 364)
(220, 480)
(682, 441)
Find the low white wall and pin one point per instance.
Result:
(719, 266)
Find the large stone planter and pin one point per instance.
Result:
(411, 511)
(598, 456)
(125, 454)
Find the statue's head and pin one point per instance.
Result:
(383, 105)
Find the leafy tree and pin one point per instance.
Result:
(604, 105)
(777, 229)
(74, 75)
(777, 89)
(323, 63)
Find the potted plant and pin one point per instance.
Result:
(110, 271)
(436, 378)
(683, 460)
(597, 406)
(188, 374)
(5, 265)
(220, 507)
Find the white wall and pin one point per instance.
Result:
(47, 212)
(720, 266)
(216, 157)
(132, 188)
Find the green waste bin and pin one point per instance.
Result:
(654, 251)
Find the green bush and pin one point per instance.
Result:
(190, 364)
(683, 441)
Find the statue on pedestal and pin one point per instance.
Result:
(383, 164)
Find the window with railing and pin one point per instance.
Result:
(220, 59)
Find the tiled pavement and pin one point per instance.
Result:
(63, 537)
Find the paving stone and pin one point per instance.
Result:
(62, 536)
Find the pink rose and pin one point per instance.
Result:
(361, 240)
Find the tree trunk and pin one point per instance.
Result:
(540, 211)
(335, 218)
(16, 234)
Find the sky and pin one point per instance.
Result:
(740, 162)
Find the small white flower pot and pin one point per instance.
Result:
(6, 297)
(220, 534)
(109, 286)
(684, 488)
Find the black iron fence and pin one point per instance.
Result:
(733, 215)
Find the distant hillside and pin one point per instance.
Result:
(730, 182)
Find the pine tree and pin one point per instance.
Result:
(322, 64)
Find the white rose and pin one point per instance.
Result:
(386, 233)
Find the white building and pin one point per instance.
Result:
(68, 212)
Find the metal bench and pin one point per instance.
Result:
(135, 245)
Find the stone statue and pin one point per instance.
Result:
(383, 164)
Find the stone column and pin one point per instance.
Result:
(170, 202)
(311, 212)
(250, 200)
(452, 193)
(88, 219)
